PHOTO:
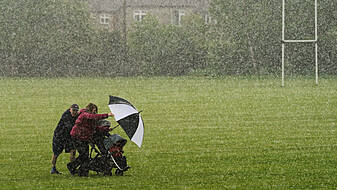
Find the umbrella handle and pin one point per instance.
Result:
(114, 127)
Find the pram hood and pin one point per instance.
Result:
(112, 140)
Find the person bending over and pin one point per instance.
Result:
(82, 134)
(62, 139)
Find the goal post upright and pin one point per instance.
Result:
(316, 45)
(299, 41)
(283, 27)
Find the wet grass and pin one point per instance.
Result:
(230, 133)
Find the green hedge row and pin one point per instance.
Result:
(57, 39)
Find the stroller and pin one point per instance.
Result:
(106, 153)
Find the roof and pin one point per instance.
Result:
(105, 5)
(168, 3)
(114, 5)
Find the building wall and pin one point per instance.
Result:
(164, 11)
(164, 15)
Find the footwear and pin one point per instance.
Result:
(71, 169)
(83, 173)
(54, 171)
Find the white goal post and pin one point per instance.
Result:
(284, 41)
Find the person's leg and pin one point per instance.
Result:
(57, 150)
(74, 163)
(84, 158)
(83, 151)
(70, 148)
(72, 155)
(53, 160)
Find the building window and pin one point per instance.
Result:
(177, 17)
(208, 19)
(138, 15)
(104, 19)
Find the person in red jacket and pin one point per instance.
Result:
(82, 133)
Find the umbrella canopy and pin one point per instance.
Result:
(128, 118)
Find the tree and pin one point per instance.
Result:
(167, 49)
(44, 37)
(250, 28)
(108, 54)
(247, 36)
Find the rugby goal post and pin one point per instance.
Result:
(284, 41)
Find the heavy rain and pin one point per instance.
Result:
(234, 94)
(101, 38)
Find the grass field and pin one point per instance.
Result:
(230, 133)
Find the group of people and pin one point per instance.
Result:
(74, 132)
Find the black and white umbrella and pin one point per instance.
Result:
(128, 118)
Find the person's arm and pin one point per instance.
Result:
(68, 124)
(98, 116)
(61, 126)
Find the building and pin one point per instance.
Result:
(120, 14)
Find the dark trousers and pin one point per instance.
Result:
(82, 161)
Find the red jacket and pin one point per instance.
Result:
(85, 125)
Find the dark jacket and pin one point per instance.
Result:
(85, 125)
(65, 125)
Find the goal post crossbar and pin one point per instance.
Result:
(299, 41)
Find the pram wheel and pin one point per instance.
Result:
(119, 172)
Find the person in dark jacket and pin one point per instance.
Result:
(62, 139)
(82, 133)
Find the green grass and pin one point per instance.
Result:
(230, 133)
